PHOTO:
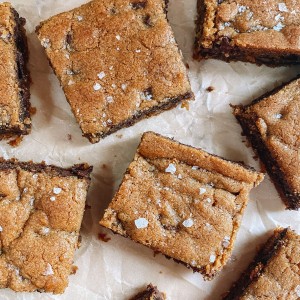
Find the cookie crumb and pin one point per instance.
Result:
(210, 89)
(103, 237)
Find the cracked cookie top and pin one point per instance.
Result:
(41, 209)
(115, 60)
(272, 25)
(182, 202)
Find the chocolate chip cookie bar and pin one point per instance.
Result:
(117, 61)
(274, 273)
(14, 76)
(261, 32)
(271, 124)
(41, 209)
(151, 293)
(182, 202)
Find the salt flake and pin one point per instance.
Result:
(49, 270)
(278, 116)
(188, 223)
(101, 75)
(202, 191)
(171, 169)
(212, 258)
(297, 290)
(45, 43)
(279, 26)
(282, 7)
(52, 198)
(110, 99)
(141, 223)
(1, 229)
(118, 37)
(80, 18)
(57, 190)
(195, 168)
(97, 86)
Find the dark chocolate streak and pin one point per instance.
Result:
(248, 124)
(23, 75)
(256, 268)
(79, 170)
(141, 115)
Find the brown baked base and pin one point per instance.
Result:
(94, 138)
(23, 75)
(256, 268)
(248, 124)
(151, 293)
(223, 50)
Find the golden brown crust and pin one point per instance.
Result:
(272, 126)
(117, 58)
(40, 218)
(274, 273)
(255, 31)
(14, 76)
(174, 200)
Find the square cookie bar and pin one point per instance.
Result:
(117, 61)
(14, 77)
(41, 209)
(151, 293)
(182, 202)
(261, 32)
(271, 124)
(274, 273)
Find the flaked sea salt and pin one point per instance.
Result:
(141, 223)
(49, 270)
(57, 190)
(97, 86)
(171, 169)
(188, 223)
(202, 191)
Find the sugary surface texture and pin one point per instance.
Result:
(10, 100)
(280, 279)
(263, 26)
(117, 61)
(276, 121)
(40, 218)
(182, 202)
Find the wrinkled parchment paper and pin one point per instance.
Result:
(120, 268)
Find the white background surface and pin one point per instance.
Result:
(119, 268)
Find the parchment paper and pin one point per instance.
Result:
(120, 268)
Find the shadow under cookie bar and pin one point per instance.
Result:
(117, 62)
(41, 210)
(273, 274)
(271, 124)
(182, 202)
(232, 31)
(15, 78)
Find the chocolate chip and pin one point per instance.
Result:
(139, 4)
(113, 11)
(69, 38)
(148, 94)
(147, 21)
